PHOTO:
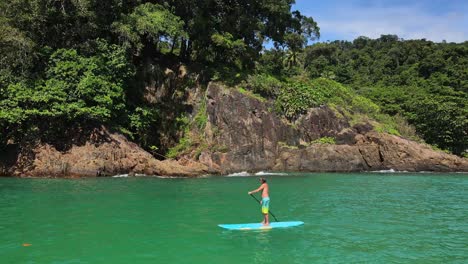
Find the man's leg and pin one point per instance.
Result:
(267, 221)
(261, 209)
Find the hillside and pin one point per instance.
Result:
(232, 130)
(144, 73)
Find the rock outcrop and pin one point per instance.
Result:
(258, 139)
(372, 152)
(103, 154)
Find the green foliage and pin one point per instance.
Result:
(333, 92)
(390, 61)
(436, 148)
(362, 104)
(63, 63)
(324, 140)
(75, 88)
(296, 98)
(93, 86)
(201, 118)
(443, 122)
(149, 22)
(405, 129)
(439, 114)
(230, 48)
(250, 94)
(16, 51)
(298, 95)
(264, 84)
(386, 124)
(417, 80)
(141, 122)
(220, 148)
(191, 140)
(282, 144)
(60, 24)
(271, 63)
(303, 94)
(184, 144)
(295, 43)
(295, 40)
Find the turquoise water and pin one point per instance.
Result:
(349, 218)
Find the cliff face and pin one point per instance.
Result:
(258, 139)
(248, 136)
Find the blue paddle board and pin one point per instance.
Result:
(259, 226)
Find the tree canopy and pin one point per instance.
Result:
(71, 62)
(423, 81)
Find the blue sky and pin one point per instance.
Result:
(434, 20)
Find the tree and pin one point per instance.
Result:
(442, 122)
(77, 89)
(303, 29)
(150, 24)
(16, 54)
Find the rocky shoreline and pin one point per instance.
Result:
(253, 138)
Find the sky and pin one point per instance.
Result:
(435, 20)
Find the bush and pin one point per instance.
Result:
(184, 144)
(406, 130)
(201, 118)
(324, 140)
(250, 94)
(264, 84)
(386, 124)
(141, 121)
(182, 124)
(296, 97)
(190, 139)
(364, 105)
(333, 92)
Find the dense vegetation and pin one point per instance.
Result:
(76, 64)
(69, 65)
(426, 83)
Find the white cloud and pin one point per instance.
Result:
(408, 22)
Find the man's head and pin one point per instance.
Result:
(262, 180)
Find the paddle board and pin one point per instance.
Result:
(259, 226)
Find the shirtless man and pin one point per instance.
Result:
(265, 200)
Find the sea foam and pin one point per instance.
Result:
(264, 173)
(239, 174)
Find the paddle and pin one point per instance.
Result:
(268, 210)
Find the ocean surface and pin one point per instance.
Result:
(349, 218)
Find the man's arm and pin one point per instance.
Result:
(257, 190)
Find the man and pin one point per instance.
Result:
(265, 200)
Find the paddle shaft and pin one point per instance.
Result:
(268, 210)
